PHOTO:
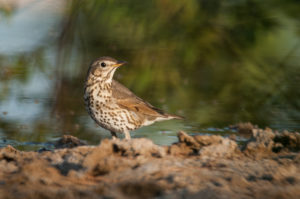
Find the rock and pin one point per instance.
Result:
(212, 146)
(8, 157)
(288, 141)
(136, 147)
(224, 148)
(113, 155)
(9, 153)
(261, 142)
(244, 128)
(266, 142)
(187, 145)
(68, 141)
(206, 140)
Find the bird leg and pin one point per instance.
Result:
(114, 135)
(127, 135)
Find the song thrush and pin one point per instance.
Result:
(112, 105)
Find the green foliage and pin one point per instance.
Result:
(213, 51)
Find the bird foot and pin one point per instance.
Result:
(127, 135)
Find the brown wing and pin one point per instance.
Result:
(126, 99)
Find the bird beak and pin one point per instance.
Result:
(120, 63)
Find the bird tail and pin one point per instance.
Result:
(166, 116)
(172, 116)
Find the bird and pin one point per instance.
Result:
(113, 106)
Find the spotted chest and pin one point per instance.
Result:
(103, 108)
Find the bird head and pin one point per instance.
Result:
(103, 68)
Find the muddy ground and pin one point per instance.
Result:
(266, 166)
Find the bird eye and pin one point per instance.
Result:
(103, 64)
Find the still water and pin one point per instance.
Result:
(216, 63)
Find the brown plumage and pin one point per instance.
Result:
(112, 105)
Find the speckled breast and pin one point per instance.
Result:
(103, 109)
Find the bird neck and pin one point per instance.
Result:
(105, 87)
(92, 80)
(98, 87)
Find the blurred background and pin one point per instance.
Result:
(214, 62)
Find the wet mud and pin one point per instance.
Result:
(266, 166)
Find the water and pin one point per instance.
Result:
(216, 63)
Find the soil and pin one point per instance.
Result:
(266, 166)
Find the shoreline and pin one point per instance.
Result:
(201, 166)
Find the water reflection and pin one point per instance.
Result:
(217, 63)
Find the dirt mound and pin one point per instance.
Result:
(267, 166)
